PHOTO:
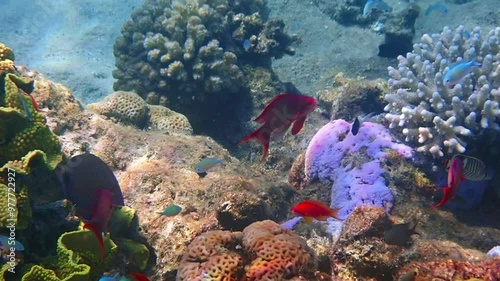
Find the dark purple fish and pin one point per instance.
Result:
(81, 177)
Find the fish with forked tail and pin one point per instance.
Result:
(278, 115)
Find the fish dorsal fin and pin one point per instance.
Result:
(263, 116)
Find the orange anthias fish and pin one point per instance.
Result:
(278, 115)
(310, 209)
(139, 276)
(101, 213)
(455, 177)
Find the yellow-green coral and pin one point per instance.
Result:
(137, 251)
(14, 202)
(18, 134)
(78, 259)
(6, 53)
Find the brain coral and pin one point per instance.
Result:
(162, 118)
(177, 53)
(130, 108)
(442, 119)
(272, 253)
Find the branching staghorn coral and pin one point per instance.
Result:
(441, 118)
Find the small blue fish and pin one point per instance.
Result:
(436, 7)
(246, 44)
(206, 164)
(376, 5)
(467, 35)
(457, 71)
(296, 24)
(25, 107)
(116, 277)
(7, 243)
(171, 211)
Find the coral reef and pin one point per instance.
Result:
(179, 55)
(487, 270)
(440, 119)
(399, 31)
(351, 97)
(352, 164)
(23, 128)
(179, 51)
(397, 27)
(26, 144)
(361, 252)
(77, 259)
(164, 119)
(129, 108)
(215, 255)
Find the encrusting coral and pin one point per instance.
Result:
(439, 118)
(257, 253)
(131, 109)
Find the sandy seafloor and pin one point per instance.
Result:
(71, 41)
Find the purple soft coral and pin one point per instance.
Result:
(352, 163)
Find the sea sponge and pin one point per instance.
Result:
(127, 107)
(162, 118)
(353, 164)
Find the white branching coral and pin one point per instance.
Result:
(441, 118)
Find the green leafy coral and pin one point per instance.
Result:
(78, 259)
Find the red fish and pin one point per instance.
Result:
(310, 209)
(101, 213)
(35, 104)
(278, 115)
(139, 276)
(455, 177)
